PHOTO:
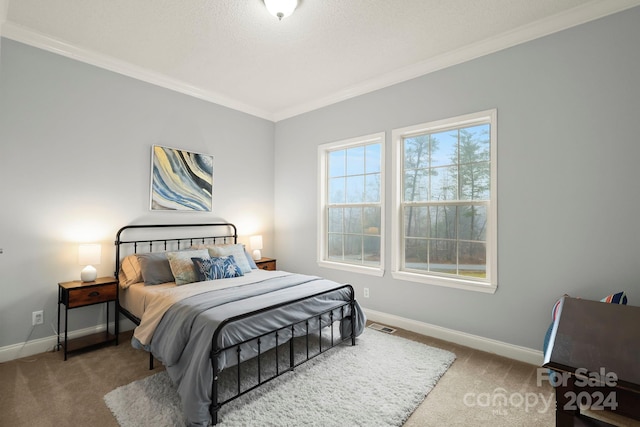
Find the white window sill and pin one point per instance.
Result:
(372, 271)
(468, 285)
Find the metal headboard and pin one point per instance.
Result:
(223, 232)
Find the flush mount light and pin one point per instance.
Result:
(281, 8)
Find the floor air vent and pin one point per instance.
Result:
(382, 328)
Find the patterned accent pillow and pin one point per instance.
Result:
(216, 268)
(182, 267)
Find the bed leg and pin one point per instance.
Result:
(215, 406)
(353, 318)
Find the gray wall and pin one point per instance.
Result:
(568, 177)
(75, 154)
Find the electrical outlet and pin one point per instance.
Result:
(366, 292)
(37, 318)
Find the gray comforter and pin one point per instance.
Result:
(182, 340)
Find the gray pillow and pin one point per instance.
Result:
(155, 268)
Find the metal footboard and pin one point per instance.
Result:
(325, 321)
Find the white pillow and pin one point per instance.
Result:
(236, 250)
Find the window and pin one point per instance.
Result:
(351, 200)
(444, 213)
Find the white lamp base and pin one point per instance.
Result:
(257, 254)
(88, 274)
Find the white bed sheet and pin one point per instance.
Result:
(137, 297)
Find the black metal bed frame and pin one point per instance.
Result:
(325, 319)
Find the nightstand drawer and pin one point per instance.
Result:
(89, 295)
(266, 264)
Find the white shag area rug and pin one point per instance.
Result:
(379, 382)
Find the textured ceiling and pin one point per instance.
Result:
(234, 53)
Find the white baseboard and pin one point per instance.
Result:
(522, 354)
(42, 345)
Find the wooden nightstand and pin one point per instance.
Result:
(81, 294)
(266, 263)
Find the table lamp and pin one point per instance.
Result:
(256, 245)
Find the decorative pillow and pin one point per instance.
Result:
(617, 298)
(130, 271)
(238, 252)
(216, 268)
(250, 261)
(155, 268)
(182, 267)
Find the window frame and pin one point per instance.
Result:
(323, 200)
(490, 283)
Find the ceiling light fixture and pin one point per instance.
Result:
(281, 8)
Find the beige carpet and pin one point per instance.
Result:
(43, 390)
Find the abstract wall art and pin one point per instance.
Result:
(181, 180)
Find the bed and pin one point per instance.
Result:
(203, 309)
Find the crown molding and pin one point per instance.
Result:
(27, 36)
(573, 17)
(589, 11)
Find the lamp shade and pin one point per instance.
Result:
(89, 255)
(256, 244)
(281, 8)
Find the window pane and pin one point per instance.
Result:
(373, 158)
(337, 190)
(353, 220)
(442, 256)
(444, 183)
(474, 144)
(337, 163)
(444, 146)
(371, 246)
(475, 181)
(473, 259)
(416, 152)
(335, 220)
(371, 220)
(443, 222)
(472, 224)
(416, 221)
(353, 247)
(415, 253)
(355, 161)
(335, 247)
(416, 185)
(355, 189)
(372, 188)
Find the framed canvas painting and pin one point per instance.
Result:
(181, 180)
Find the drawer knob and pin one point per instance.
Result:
(94, 294)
